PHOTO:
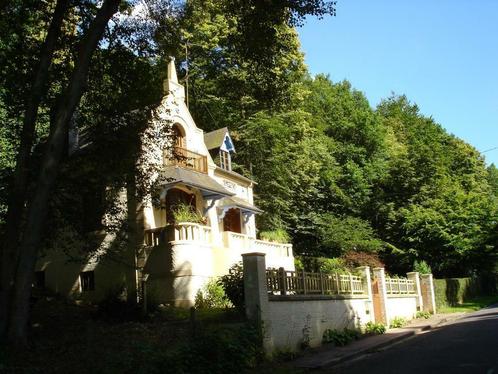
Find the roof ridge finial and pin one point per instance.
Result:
(172, 70)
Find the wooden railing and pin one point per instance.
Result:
(283, 282)
(184, 231)
(187, 159)
(400, 286)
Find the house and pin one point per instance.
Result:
(197, 220)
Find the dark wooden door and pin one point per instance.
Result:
(231, 221)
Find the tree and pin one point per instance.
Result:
(17, 195)
(37, 209)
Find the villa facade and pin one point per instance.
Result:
(173, 258)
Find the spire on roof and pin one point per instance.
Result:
(172, 70)
(171, 85)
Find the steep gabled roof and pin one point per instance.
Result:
(215, 139)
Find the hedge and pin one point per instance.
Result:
(454, 291)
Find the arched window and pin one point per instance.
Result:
(178, 136)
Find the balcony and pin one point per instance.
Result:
(181, 232)
(193, 232)
(186, 159)
(244, 243)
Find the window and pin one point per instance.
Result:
(87, 281)
(39, 279)
(225, 162)
(179, 136)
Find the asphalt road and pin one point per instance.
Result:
(467, 345)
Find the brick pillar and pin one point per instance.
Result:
(415, 277)
(380, 276)
(428, 294)
(367, 284)
(256, 295)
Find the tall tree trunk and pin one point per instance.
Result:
(37, 209)
(17, 195)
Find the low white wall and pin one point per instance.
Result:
(288, 324)
(401, 306)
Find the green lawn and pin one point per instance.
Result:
(470, 305)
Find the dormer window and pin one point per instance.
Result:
(220, 147)
(225, 160)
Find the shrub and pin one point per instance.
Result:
(212, 295)
(298, 263)
(186, 213)
(353, 259)
(323, 264)
(422, 267)
(333, 265)
(373, 328)
(397, 322)
(340, 338)
(278, 235)
(423, 314)
(233, 285)
(454, 291)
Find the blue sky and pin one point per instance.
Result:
(442, 54)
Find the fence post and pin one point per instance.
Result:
(283, 281)
(367, 288)
(367, 282)
(351, 285)
(256, 295)
(338, 283)
(414, 276)
(322, 290)
(304, 282)
(380, 275)
(428, 295)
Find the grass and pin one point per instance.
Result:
(471, 305)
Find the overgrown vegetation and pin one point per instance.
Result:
(454, 291)
(217, 344)
(423, 314)
(212, 295)
(397, 322)
(340, 337)
(422, 267)
(277, 235)
(374, 328)
(233, 286)
(187, 213)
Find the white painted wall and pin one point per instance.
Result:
(288, 323)
(401, 306)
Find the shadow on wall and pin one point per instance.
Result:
(168, 283)
(107, 269)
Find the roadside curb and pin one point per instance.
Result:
(338, 355)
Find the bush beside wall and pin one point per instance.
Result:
(454, 291)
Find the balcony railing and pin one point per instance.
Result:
(184, 231)
(245, 243)
(187, 159)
